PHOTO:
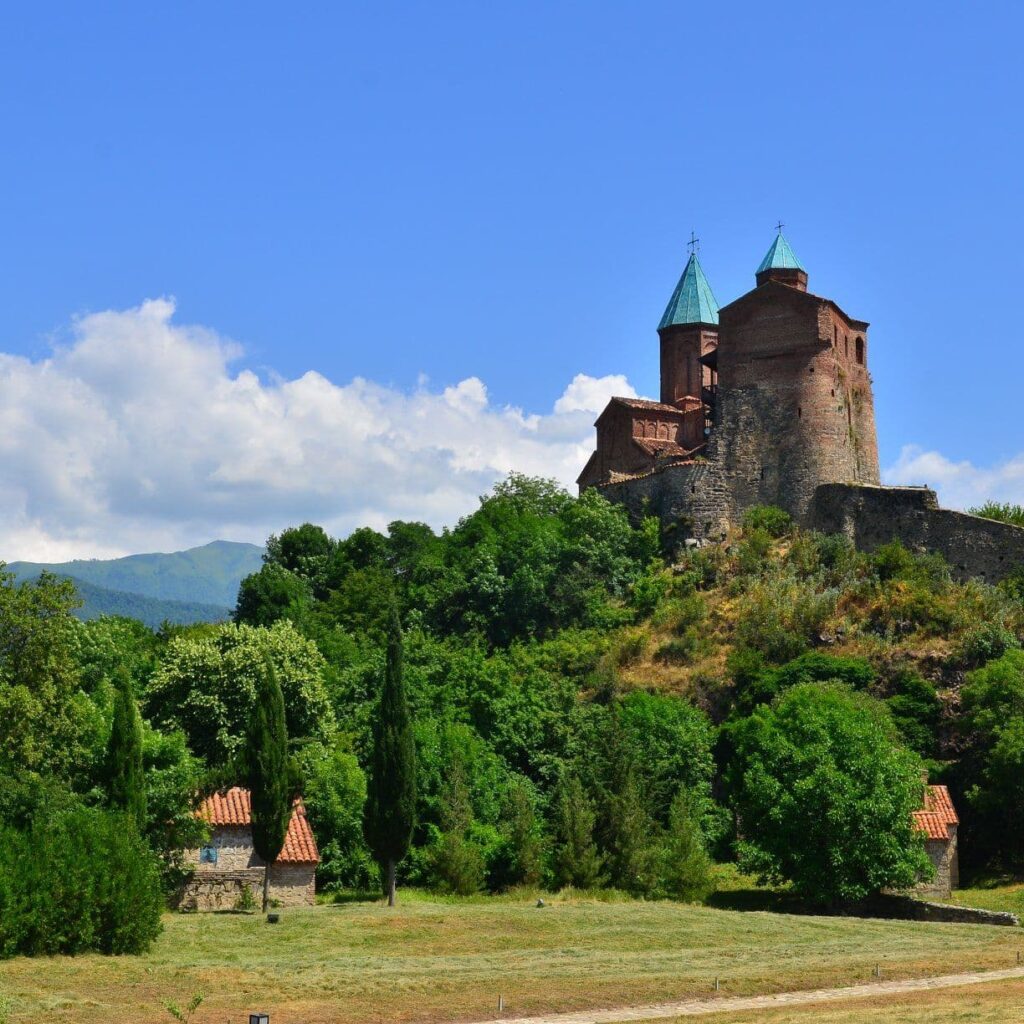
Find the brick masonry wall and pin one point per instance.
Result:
(234, 849)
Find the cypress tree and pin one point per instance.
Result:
(577, 860)
(269, 772)
(127, 787)
(391, 797)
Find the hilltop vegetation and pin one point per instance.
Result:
(590, 707)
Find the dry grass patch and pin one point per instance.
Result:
(446, 961)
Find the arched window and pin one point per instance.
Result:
(860, 351)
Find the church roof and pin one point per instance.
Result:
(234, 807)
(780, 257)
(937, 815)
(692, 302)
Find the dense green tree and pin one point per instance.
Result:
(391, 803)
(685, 864)
(76, 879)
(335, 796)
(825, 794)
(302, 550)
(126, 785)
(268, 595)
(47, 723)
(207, 679)
(456, 860)
(577, 861)
(521, 853)
(269, 773)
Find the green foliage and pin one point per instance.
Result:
(825, 794)
(577, 861)
(521, 854)
(184, 1015)
(46, 723)
(1003, 513)
(270, 776)
(126, 784)
(686, 869)
(983, 643)
(772, 520)
(457, 860)
(761, 685)
(334, 795)
(268, 595)
(206, 685)
(915, 709)
(76, 881)
(780, 617)
(391, 806)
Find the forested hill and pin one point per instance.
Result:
(202, 576)
(151, 611)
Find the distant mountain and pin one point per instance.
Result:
(207, 575)
(97, 601)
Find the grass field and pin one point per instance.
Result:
(998, 1003)
(445, 961)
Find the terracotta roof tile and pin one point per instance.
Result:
(234, 807)
(938, 813)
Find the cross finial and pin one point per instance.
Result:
(693, 244)
(779, 227)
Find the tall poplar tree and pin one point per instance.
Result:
(391, 797)
(270, 772)
(126, 783)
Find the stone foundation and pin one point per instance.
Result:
(220, 890)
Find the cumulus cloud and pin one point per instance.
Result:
(141, 435)
(959, 484)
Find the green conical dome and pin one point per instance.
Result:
(692, 302)
(780, 257)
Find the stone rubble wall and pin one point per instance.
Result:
(871, 516)
(220, 890)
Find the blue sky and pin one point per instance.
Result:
(421, 194)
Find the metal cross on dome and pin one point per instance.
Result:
(693, 244)
(779, 227)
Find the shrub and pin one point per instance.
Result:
(679, 650)
(915, 709)
(753, 552)
(82, 880)
(781, 617)
(983, 643)
(774, 521)
(1003, 513)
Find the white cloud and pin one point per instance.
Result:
(959, 484)
(140, 436)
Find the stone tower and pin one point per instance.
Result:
(795, 408)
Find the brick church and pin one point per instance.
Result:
(767, 401)
(762, 401)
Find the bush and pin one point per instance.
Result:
(81, 881)
(774, 521)
(686, 866)
(983, 643)
(1003, 513)
(780, 618)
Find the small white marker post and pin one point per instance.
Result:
(501, 1003)
(716, 985)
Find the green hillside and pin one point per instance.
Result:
(207, 575)
(151, 611)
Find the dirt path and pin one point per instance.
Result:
(700, 1007)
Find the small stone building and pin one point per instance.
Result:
(228, 863)
(938, 821)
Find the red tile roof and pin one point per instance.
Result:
(234, 807)
(938, 813)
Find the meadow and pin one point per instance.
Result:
(435, 959)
